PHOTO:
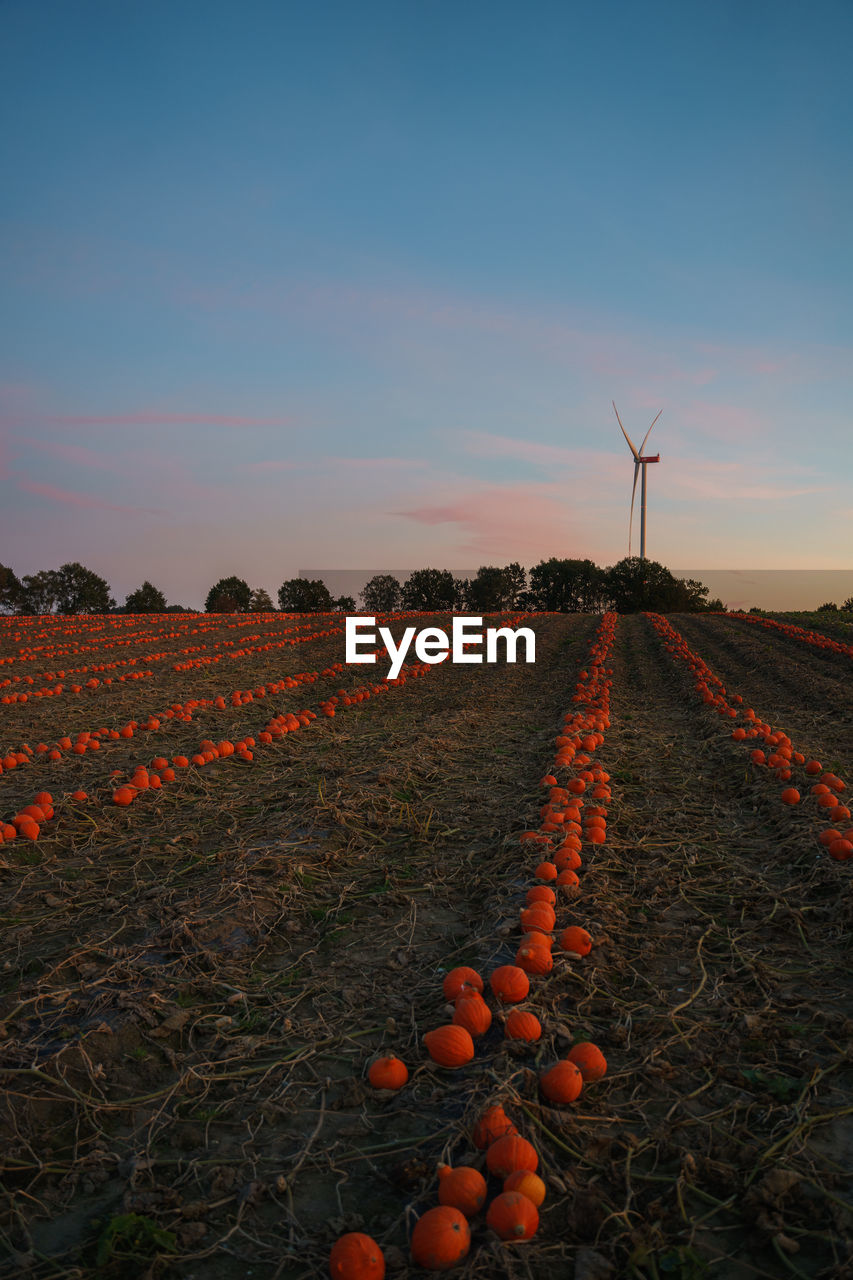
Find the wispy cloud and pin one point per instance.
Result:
(85, 501)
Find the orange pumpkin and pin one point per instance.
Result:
(472, 1013)
(388, 1073)
(521, 1025)
(539, 916)
(562, 1083)
(449, 1046)
(576, 940)
(509, 983)
(458, 978)
(494, 1123)
(513, 1216)
(533, 958)
(441, 1238)
(541, 893)
(589, 1060)
(546, 871)
(529, 1184)
(356, 1256)
(509, 1153)
(462, 1188)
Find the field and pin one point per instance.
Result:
(194, 984)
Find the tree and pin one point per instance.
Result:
(829, 607)
(228, 595)
(260, 601)
(345, 604)
(568, 586)
(10, 590)
(381, 594)
(305, 595)
(70, 589)
(635, 584)
(494, 590)
(716, 606)
(431, 591)
(848, 605)
(145, 599)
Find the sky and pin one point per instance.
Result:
(349, 284)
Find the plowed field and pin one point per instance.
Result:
(193, 986)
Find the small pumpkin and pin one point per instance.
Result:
(540, 916)
(356, 1256)
(388, 1073)
(512, 1216)
(533, 958)
(567, 879)
(546, 871)
(562, 1083)
(529, 1184)
(576, 940)
(462, 1188)
(457, 979)
(521, 1025)
(494, 1123)
(449, 1046)
(509, 983)
(541, 893)
(509, 1153)
(567, 858)
(589, 1060)
(472, 1013)
(441, 1238)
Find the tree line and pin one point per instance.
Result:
(555, 585)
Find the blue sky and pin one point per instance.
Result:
(290, 285)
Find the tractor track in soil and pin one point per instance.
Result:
(236, 998)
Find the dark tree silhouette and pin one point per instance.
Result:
(305, 595)
(10, 590)
(228, 595)
(432, 591)
(493, 589)
(145, 599)
(261, 601)
(381, 594)
(568, 586)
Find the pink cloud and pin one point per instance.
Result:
(156, 418)
(73, 499)
(515, 521)
(76, 454)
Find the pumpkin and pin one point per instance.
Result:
(521, 1025)
(529, 1184)
(509, 1153)
(356, 1256)
(449, 1046)
(388, 1073)
(567, 878)
(441, 1238)
(535, 938)
(589, 1060)
(456, 979)
(472, 1013)
(509, 983)
(562, 1083)
(494, 1123)
(576, 939)
(541, 893)
(513, 1216)
(567, 859)
(462, 1188)
(533, 958)
(546, 871)
(540, 916)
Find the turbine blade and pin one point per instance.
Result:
(631, 517)
(648, 433)
(624, 432)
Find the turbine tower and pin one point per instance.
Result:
(639, 462)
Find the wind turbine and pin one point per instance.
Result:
(639, 462)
